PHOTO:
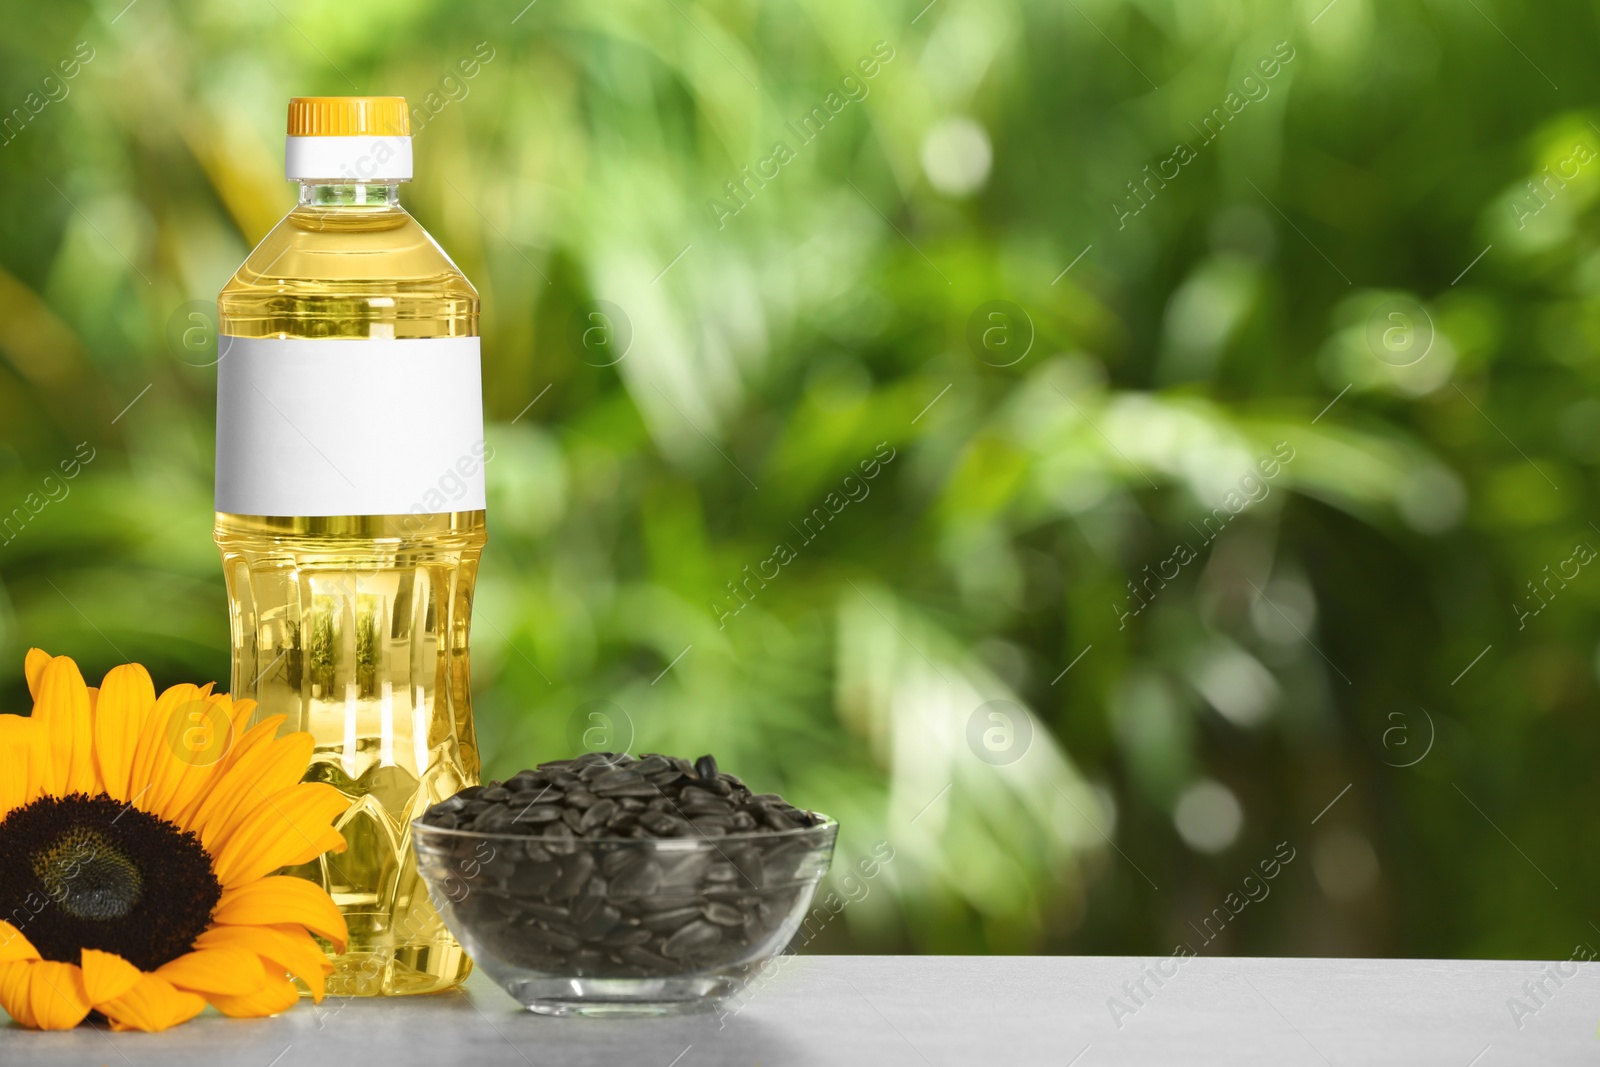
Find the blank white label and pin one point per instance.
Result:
(349, 427)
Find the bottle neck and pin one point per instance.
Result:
(349, 194)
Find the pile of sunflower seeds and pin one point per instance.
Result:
(612, 866)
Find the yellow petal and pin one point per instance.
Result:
(13, 946)
(269, 769)
(62, 710)
(241, 712)
(240, 766)
(193, 748)
(16, 755)
(276, 994)
(215, 970)
(41, 765)
(152, 1004)
(282, 899)
(14, 988)
(126, 697)
(202, 752)
(33, 667)
(245, 739)
(289, 827)
(57, 997)
(290, 849)
(243, 709)
(106, 976)
(290, 949)
(153, 775)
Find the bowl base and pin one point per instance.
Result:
(622, 996)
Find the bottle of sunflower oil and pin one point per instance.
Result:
(350, 515)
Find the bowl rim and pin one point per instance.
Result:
(671, 844)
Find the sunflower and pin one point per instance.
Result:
(138, 839)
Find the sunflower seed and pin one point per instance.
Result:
(670, 920)
(596, 816)
(585, 906)
(547, 940)
(545, 913)
(532, 879)
(778, 821)
(652, 962)
(623, 936)
(691, 940)
(537, 813)
(663, 825)
(613, 862)
(639, 878)
(723, 914)
(608, 778)
(495, 821)
(579, 798)
(575, 870)
(668, 901)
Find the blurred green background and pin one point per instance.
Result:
(1308, 289)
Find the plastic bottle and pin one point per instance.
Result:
(350, 515)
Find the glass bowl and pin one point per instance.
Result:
(608, 926)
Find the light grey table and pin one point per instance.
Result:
(881, 1011)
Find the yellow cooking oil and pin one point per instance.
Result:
(355, 624)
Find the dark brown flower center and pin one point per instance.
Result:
(86, 874)
(81, 872)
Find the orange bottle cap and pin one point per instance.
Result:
(349, 116)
